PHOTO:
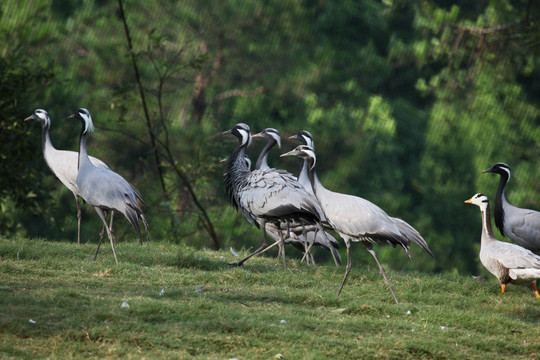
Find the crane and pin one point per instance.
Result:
(522, 226)
(265, 196)
(63, 164)
(104, 189)
(298, 235)
(359, 220)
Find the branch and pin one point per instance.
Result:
(487, 31)
(143, 99)
(239, 93)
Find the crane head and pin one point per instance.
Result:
(84, 115)
(40, 115)
(304, 152)
(499, 168)
(242, 132)
(270, 134)
(305, 138)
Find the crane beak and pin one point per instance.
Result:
(72, 116)
(31, 117)
(294, 137)
(488, 170)
(258, 135)
(468, 201)
(290, 153)
(226, 132)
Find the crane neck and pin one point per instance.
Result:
(83, 159)
(237, 166)
(46, 144)
(303, 176)
(262, 160)
(500, 199)
(315, 183)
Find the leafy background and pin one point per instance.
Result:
(408, 102)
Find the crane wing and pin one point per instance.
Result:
(523, 227)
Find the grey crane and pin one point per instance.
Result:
(522, 226)
(298, 235)
(265, 196)
(104, 189)
(63, 164)
(305, 138)
(357, 219)
(510, 263)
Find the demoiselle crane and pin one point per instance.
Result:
(265, 196)
(63, 164)
(104, 189)
(522, 226)
(510, 263)
(298, 235)
(357, 219)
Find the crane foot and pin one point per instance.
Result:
(236, 264)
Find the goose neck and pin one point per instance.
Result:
(487, 232)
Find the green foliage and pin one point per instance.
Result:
(408, 103)
(22, 75)
(56, 302)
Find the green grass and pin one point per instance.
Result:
(76, 306)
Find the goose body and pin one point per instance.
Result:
(509, 263)
(63, 163)
(522, 226)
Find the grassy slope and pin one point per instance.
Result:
(76, 304)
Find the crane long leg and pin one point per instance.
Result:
(282, 240)
(97, 250)
(277, 242)
(103, 217)
(261, 249)
(349, 265)
(381, 269)
(77, 200)
(103, 230)
(307, 246)
(111, 221)
(328, 243)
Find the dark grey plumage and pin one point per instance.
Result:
(356, 219)
(522, 226)
(265, 196)
(104, 189)
(510, 263)
(301, 237)
(63, 163)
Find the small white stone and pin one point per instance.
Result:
(125, 304)
(283, 322)
(32, 321)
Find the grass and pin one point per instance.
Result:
(55, 302)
